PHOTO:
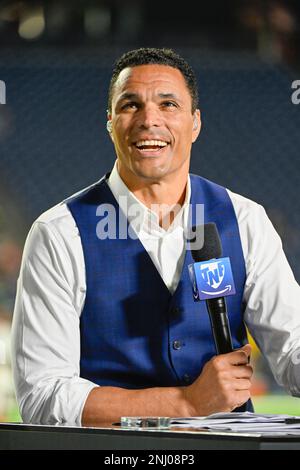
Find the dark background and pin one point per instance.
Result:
(56, 59)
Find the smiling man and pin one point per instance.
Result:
(106, 326)
(153, 127)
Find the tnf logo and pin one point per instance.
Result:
(212, 279)
(2, 92)
(213, 274)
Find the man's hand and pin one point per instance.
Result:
(223, 385)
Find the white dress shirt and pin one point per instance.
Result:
(51, 294)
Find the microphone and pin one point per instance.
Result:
(209, 274)
(212, 281)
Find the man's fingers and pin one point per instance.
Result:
(241, 356)
(238, 357)
(242, 384)
(243, 371)
(247, 349)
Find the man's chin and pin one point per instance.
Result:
(152, 166)
(151, 174)
(147, 171)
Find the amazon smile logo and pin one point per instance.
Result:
(220, 292)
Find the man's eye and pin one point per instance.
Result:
(169, 104)
(130, 105)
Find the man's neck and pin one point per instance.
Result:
(165, 196)
(161, 193)
(169, 190)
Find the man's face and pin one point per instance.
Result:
(153, 127)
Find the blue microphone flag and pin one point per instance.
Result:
(212, 279)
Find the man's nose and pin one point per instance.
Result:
(149, 116)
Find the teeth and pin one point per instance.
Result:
(144, 143)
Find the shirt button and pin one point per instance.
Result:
(186, 378)
(177, 344)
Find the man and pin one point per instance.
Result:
(106, 326)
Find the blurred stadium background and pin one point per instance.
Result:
(56, 59)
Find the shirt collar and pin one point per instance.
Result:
(138, 214)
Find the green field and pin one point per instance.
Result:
(277, 404)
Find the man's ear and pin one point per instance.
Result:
(109, 126)
(196, 125)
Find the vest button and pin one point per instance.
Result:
(186, 378)
(175, 311)
(177, 344)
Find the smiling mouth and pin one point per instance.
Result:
(150, 145)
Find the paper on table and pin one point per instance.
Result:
(241, 422)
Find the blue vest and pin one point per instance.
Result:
(134, 332)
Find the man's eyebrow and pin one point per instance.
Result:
(128, 96)
(168, 95)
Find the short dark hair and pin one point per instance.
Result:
(150, 55)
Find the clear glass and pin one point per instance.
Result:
(160, 422)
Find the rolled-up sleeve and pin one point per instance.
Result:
(272, 298)
(46, 332)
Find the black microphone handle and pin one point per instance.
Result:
(221, 330)
(220, 324)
